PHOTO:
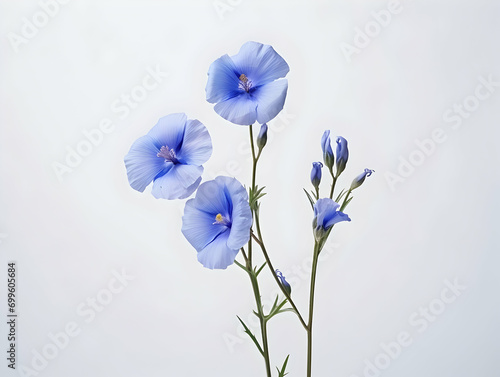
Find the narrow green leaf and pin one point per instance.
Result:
(252, 336)
(281, 373)
(240, 265)
(282, 304)
(260, 269)
(342, 193)
(274, 304)
(346, 203)
(254, 195)
(310, 198)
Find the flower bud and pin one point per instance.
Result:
(316, 174)
(285, 284)
(358, 181)
(342, 154)
(262, 138)
(326, 146)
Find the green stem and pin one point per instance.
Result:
(259, 240)
(268, 260)
(254, 158)
(311, 309)
(333, 183)
(262, 319)
(344, 203)
(252, 274)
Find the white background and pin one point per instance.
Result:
(176, 318)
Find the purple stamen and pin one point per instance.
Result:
(244, 83)
(168, 155)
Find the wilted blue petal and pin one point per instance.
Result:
(335, 218)
(260, 63)
(143, 165)
(326, 214)
(323, 208)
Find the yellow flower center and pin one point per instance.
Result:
(219, 218)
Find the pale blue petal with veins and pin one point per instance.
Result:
(248, 86)
(217, 221)
(170, 156)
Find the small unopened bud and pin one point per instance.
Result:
(358, 181)
(285, 284)
(316, 174)
(326, 146)
(262, 138)
(342, 154)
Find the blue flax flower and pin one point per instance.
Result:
(245, 87)
(285, 284)
(326, 146)
(358, 181)
(342, 154)
(326, 214)
(170, 156)
(217, 221)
